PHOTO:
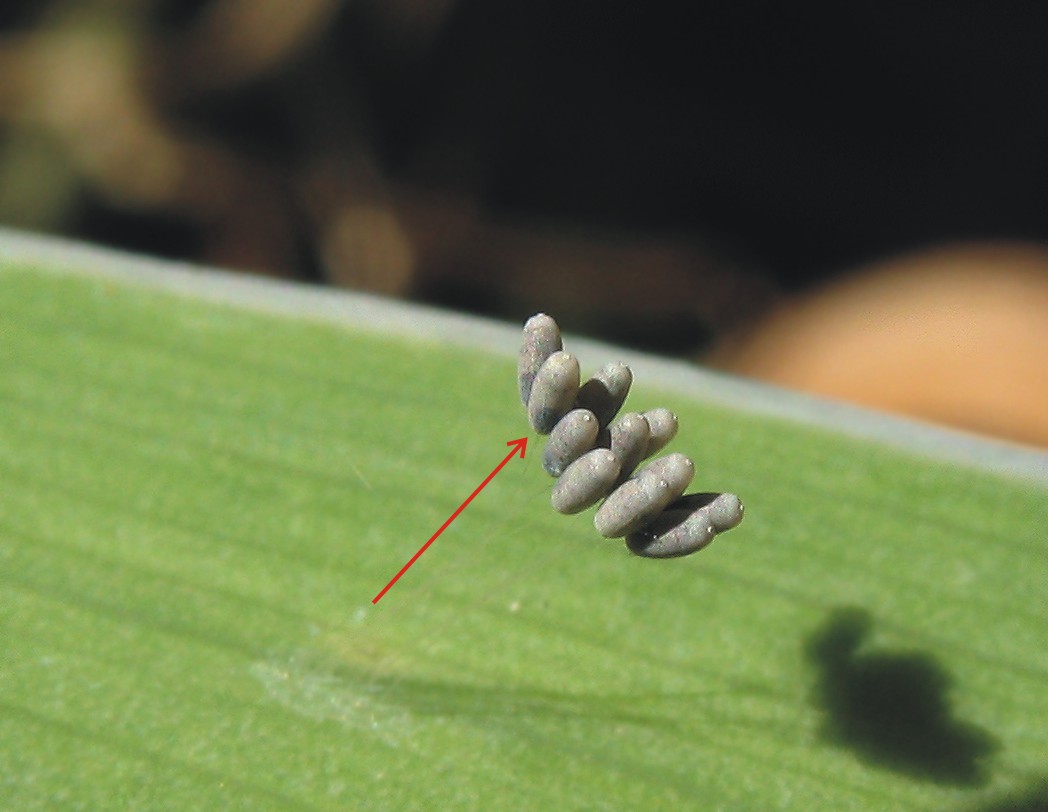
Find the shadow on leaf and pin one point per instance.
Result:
(1033, 798)
(891, 708)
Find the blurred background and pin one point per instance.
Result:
(848, 199)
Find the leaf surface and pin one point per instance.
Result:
(198, 502)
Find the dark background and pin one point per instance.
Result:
(813, 137)
(730, 153)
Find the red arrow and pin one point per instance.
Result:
(518, 445)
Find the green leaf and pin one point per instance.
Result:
(198, 503)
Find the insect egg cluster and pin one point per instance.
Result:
(594, 453)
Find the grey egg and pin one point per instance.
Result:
(725, 510)
(606, 391)
(663, 426)
(573, 436)
(553, 391)
(639, 500)
(687, 526)
(675, 467)
(585, 481)
(627, 437)
(541, 340)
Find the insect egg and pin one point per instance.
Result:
(606, 391)
(627, 437)
(687, 526)
(725, 510)
(553, 391)
(674, 533)
(572, 437)
(541, 340)
(663, 426)
(639, 500)
(585, 481)
(675, 467)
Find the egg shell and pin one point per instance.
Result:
(687, 526)
(637, 501)
(627, 437)
(573, 436)
(541, 339)
(585, 481)
(662, 424)
(553, 391)
(724, 509)
(606, 391)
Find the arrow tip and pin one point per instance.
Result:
(520, 444)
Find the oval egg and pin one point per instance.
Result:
(687, 526)
(627, 437)
(662, 424)
(573, 436)
(541, 339)
(639, 500)
(606, 391)
(553, 391)
(585, 481)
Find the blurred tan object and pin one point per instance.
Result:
(664, 291)
(236, 41)
(83, 89)
(365, 247)
(956, 335)
(81, 115)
